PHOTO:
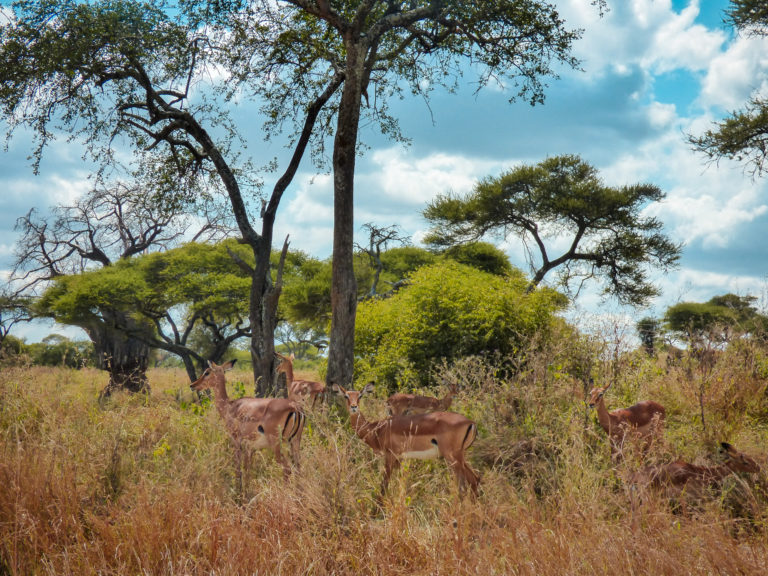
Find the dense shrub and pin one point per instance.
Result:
(448, 311)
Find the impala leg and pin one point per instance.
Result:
(295, 444)
(238, 469)
(471, 477)
(391, 463)
(464, 475)
(275, 445)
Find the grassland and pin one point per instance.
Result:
(145, 485)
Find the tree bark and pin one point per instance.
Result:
(343, 282)
(124, 357)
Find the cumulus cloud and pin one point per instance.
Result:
(734, 74)
(645, 32)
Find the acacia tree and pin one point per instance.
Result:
(14, 309)
(165, 299)
(103, 227)
(127, 72)
(608, 237)
(382, 47)
(743, 135)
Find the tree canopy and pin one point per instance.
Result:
(167, 295)
(717, 320)
(743, 135)
(607, 237)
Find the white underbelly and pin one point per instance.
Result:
(429, 454)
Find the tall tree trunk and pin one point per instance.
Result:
(343, 282)
(124, 357)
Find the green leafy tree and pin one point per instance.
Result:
(608, 238)
(743, 135)
(122, 71)
(448, 311)
(711, 323)
(57, 350)
(104, 226)
(648, 331)
(381, 49)
(166, 299)
(14, 309)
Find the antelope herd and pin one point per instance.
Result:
(421, 427)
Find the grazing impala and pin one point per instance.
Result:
(643, 420)
(401, 403)
(302, 388)
(423, 436)
(254, 423)
(678, 477)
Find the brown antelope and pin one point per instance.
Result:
(643, 420)
(679, 477)
(298, 388)
(254, 423)
(401, 403)
(424, 436)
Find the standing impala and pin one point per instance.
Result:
(642, 420)
(254, 423)
(424, 436)
(302, 388)
(680, 477)
(401, 403)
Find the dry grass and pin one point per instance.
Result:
(145, 485)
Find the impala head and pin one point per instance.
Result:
(596, 394)
(352, 396)
(737, 461)
(207, 377)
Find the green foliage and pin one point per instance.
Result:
(716, 320)
(195, 281)
(743, 135)
(56, 350)
(607, 236)
(481, 255)
(447, 311)
(648, 331)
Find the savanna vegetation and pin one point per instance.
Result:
(145, 484)
(111, 464)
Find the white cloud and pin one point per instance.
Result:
(410, 181)
(736, 73)
(647, 33)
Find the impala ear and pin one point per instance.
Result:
(367, 389)
(337, 389)
(229, 365)
(726, 447)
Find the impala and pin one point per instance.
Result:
(303, 388)
(678, 477)
(401, 403)
(424, 436)
(254, 423)
(643, 420)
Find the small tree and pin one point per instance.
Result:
(608, 239)
(648, 331)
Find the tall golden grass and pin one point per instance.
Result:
(144, 485)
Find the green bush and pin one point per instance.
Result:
(448, 311)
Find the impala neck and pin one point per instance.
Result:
(221, 399)
(287, 367)
(603, 416)
(363, 428)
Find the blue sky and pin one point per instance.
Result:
(653, 71)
